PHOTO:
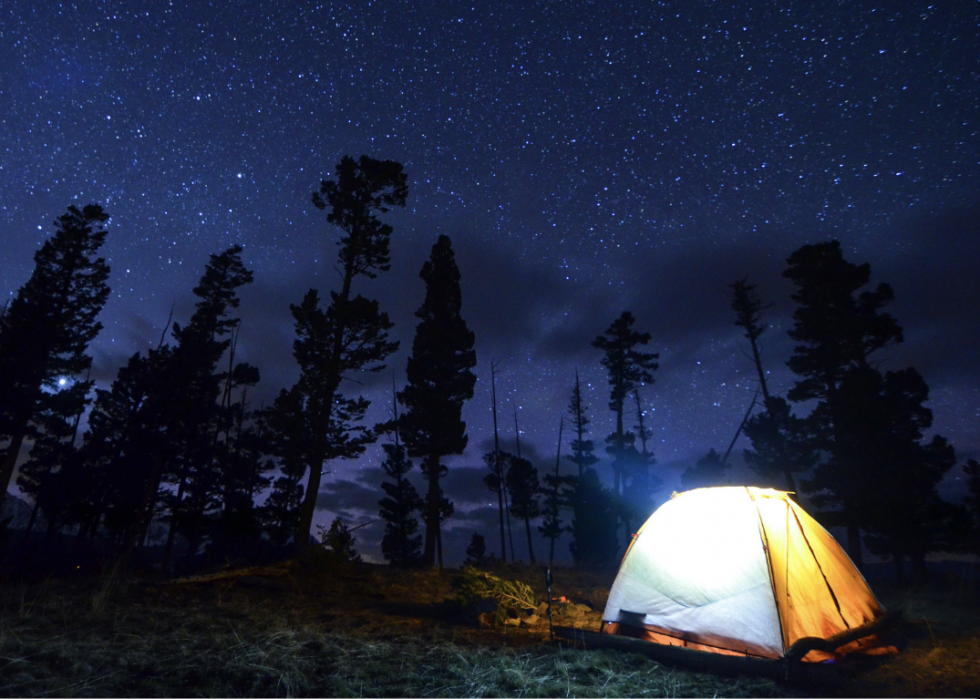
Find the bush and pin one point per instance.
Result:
(473, 586)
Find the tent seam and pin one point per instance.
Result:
(772, 580)
(826, 582)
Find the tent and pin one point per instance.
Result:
(740, 571)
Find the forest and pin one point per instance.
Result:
(175, 446)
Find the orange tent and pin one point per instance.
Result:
(740, 571)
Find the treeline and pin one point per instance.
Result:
(175, 441)
(861, 455)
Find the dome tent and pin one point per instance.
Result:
(739, 571)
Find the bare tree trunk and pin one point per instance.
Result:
(530, 546)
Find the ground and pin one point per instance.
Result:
(323, 628)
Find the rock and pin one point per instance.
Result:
(512, 622)
(531, 620)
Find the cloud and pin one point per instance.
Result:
(937, 293)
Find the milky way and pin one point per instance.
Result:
(585, 158)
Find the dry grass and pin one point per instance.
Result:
(327, 630)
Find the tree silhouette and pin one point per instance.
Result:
(498, 462)
(236, 528)
(192, 409)
(523, 486)
(287, 436)
(400, 545)
(899, 508)
(781, 444)
(594, 543)
(780, 447)
(50, 475)
(582, 448)
(641, 482)
(556, 496)
(837, 328)
(125, 450)
(340, 541)
(627, 367)
(594, 508)
(748, 306)
(351, 334)
(47, 327)
(476, 552)
(439, 381)
(709, 471)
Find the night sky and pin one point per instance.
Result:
(585, 158)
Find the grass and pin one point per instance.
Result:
(325, 629)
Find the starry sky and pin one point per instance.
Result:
(585, 158)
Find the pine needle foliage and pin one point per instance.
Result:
(473, 585)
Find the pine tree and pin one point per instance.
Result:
(627, 367)
(125, 450)
(556, 497)
(49, 475)
(780, 444)
(351, 334)
(748, 306)
(476, 552)
(192, 409)
(46, 329)
(641, 482)
(523, 487)
(439, 381)
(400, 545)
(837, 328)
(582, 448)
(286, 436)
(236, 528)
(594, 543)
(709, 471)
(340, 541)
(900, 508)
(594, 508)
(498, 462)
(778, 437)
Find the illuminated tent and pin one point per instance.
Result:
(740, 571)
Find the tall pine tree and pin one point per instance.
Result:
(351, 334)
(779, 448)
(582, 449)
(287, 437)
(46, 329)
(594, 543)
(192, 398)
(641, 482)
(439, 381)
(523, 487)
(400, 545)
(556, 492)
(837, 327)
(627, 367)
